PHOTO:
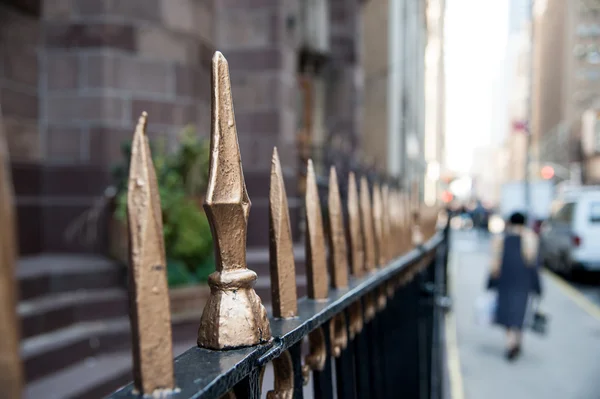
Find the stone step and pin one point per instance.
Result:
(258, 261)
(52, 312)
(48, 274)
(93, 377)
(44, 354)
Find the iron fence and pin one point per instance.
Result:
(371, 317)
(375, 267)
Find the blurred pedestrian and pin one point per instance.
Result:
(515, 276)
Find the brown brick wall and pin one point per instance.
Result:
(99, 63)
(104, 62)
(261, 53)
(19, 39)
(345, 72)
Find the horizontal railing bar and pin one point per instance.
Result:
(204, 373)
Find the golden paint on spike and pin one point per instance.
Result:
(378, 226)
(338, 334)
(381, 297)
(386, 223)
(369, 307)
(148, 290)
(394, 225)
(367, 225)
(357, 252)
(416, 216)
(234, 315)
(356, 319)
(391, 290)
(283, 370)
(316, 261)
(281, 250)
(317, 356)
(11, 371)
(406, 222)
(338, 256)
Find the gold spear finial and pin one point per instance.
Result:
(367, 225)
(234, 315)
(415, 215)
(378, 226)
(396, 224)
(148, 290)
(338, 255)
(11, 372)
(357, 252)
(316, 261)
(281, 259)
(386, 223)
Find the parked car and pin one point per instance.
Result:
(569, 237)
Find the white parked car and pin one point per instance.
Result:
(570, 238)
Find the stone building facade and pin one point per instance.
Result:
(76, 74)
(564, 90)
(395, 41)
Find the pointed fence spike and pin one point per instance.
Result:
(148, 289)
(281, 249)
(386, 223)
(316, 261)
(367, 224)
(416, 232)
(393, 235)
(338, 255)
(11, 371)
(406, 222)
(378, 226)
(357, 252)
(234, 315)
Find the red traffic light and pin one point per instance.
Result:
(447, 196)
(547, 172)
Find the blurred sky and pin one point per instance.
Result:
(476, 33)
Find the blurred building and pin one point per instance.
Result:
(486, 173)
(397, 34)
(516, 86)
(566, 77)
(435, 104)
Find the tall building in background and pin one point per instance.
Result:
(517, 86)
(435, 105)
(566, 82)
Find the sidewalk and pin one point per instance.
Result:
(565, 364)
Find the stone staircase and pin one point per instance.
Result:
(75, 326)
(258, 260)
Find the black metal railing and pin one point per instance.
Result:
(397, 354)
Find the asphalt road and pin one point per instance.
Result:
(564, 364)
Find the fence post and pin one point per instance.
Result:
(338, 251)
(367, 225)
(281, 249)
(316, 273)
(288, 367)
(357, 252)
(234, 315)
(148, 290)
(11, 372)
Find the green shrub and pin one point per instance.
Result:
(182, 178)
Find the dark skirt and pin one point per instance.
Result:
(516, 282)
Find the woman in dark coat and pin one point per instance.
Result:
(515, 276)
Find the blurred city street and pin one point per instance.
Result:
(561, 364)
